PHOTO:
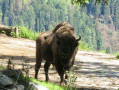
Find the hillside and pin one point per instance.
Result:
(98, 25)
(93, 69)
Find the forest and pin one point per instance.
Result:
(97, 24)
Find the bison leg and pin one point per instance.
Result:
(46, 68)
(62, 80)
(38, 58)
(37, 67)
(61, 74)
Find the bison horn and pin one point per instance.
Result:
(79, 38)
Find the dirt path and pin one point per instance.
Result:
(93, 69)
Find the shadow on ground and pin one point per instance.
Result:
(97, 68)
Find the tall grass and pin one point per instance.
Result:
(25, 33)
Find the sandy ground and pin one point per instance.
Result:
(93, 69)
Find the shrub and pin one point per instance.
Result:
(84, 46)
(25, 33)
(117, 56)
(71, 79)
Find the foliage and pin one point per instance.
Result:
(25, 33)
(84, 46)
(13, 33)
(71, 79)
(102, 51)
(25, 1)
(50, 86)
(84, 2)
(117, 56)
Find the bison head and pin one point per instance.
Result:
(67, 45)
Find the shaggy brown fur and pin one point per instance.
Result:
(57, 47)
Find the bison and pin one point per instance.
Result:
(57, 47)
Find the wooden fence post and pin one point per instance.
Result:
(16, 29)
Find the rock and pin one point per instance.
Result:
(36, 86)
(18, 87)
(5, 81)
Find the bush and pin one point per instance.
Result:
(84, 46)
(25, 33)
(71, 80)
(117, 56)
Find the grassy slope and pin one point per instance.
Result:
(50, 86)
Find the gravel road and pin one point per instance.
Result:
(93, 69)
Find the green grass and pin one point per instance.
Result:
(50, 86)
(84, 46)
(25, 33)
(99, 72)
(2, 67)
(102, 51)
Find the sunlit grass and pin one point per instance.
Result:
(25, 33)
(2, 67)
(102, 51)
(84, 46)
(48, 85)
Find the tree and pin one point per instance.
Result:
(116, 15)
(84, 2)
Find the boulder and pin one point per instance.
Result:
(5, 81)
(36, 86)
(17, 87)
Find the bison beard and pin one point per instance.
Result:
(59, 49)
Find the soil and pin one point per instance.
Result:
(94, 70)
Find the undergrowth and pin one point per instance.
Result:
(22, 77)
(117, 56)
(84, 46)
(25, 33)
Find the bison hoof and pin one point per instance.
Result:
(63, 83)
